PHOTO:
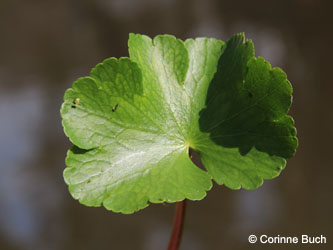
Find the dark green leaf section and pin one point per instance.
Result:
(133, 120)
(254, 100)
(245, 117)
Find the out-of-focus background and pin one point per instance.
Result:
(45, 45)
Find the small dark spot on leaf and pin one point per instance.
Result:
(115, 107)
(75, 102)
(250, 94)
(88, 181)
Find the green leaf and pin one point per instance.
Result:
(133, 120)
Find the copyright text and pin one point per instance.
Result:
(304, 239)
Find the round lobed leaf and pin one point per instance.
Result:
(133, 121)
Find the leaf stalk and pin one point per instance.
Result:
(178, 225)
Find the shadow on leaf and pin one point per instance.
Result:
(247, 103)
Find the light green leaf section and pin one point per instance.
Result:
(133, 120)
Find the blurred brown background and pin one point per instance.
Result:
(45, 45)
